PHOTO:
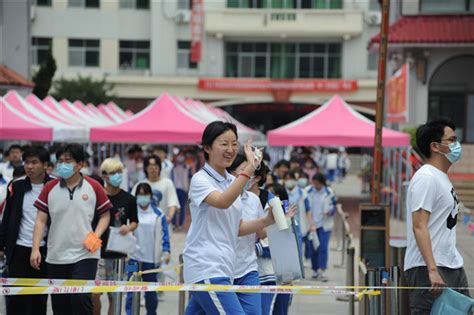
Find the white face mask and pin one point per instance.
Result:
(290, 183)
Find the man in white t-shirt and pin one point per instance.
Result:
(164, 192)
(16, 230)
(431, 258)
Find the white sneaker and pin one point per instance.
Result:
(323, 277)
(315, 275)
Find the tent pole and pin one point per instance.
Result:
(379, 112)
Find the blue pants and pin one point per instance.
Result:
(308, 247)
(180, 216)
(151, 299)
(282, 304)
(211, 303)
(268, 300)
(331, 175)
(319, 258)
(251, 302)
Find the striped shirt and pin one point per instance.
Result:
(71, 212)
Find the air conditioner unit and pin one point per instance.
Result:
(373, 18)
(183, 16)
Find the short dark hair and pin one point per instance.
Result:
(262, 172)
(281, 163)
(239, 159)
(161, 148)
(74, 149)
(214, 130)
(145, 187)
(290, 174)
(36, 151)
(146, 162)
(432, 131)
(304, 175)
(13, 147)
(18, 171)
(320, 178)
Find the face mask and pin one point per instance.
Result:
(290, 183)
(52, 158)
(64, 170)
(116, 179)
(455, 153)
(143, 200)
(180, 159)
(303, 182)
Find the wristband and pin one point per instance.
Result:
(244, 175)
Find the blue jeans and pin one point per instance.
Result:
(180, 216)
(211, 303)
(251, 302)
(282, 304)
(319, 258)
(151, 299)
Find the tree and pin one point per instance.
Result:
(44, 76)
(84, 89)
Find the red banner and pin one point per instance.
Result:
(197, 30)
(267, 85)
(397, 96)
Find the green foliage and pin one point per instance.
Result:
(84, 89)
(44, 76)
(412, 132)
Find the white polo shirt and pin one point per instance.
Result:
(246, 257)
(71, 213)
(210, 249)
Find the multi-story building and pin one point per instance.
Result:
(143, 47)
(436, 38)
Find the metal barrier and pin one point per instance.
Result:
(347, 262)
(118, 275)
(136, 295)
(182, 294)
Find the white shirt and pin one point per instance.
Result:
(25, 235)
(166, 167)
(331, 161)
(145, 234)
(318, 203)
(164, 193)
(210, 249)
(246, 256)
(430, 189)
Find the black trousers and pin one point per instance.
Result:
(67, 304)
(19, 267)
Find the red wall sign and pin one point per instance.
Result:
(197, 30)
(266, 85)
(397, 96)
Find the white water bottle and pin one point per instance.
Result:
(278, 213)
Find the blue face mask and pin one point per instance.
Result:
(143, 200)
(64, 170)
(116, 179)
(302, 182)
(455, 153)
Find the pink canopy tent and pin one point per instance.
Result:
(160, 122)
(114, 108)
(15, 127)
(129, 113)
(334, 123)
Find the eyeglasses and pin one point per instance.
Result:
(451, 140)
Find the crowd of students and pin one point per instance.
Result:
(57, 218)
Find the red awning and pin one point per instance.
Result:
(430, 29)
(10, 77)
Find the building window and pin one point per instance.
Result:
(84, 3)
(372, 60)
(84, 53)
(283, 60)
(184, 55)
(441, 6)
(40, 46)
(135, 4)
(134, 55)
(286, 4)
(43, 3)
(185, 4)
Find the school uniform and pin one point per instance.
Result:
(210, 250)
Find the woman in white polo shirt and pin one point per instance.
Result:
(216, 212)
